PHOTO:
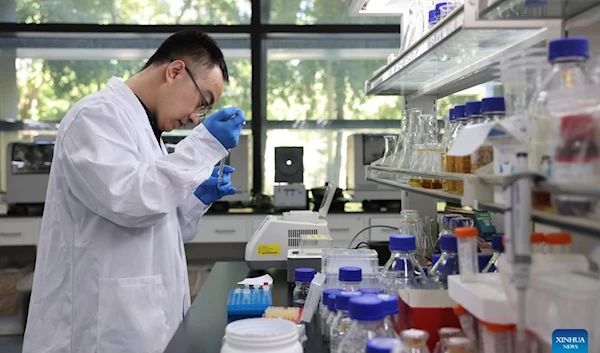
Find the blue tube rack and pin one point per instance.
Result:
(247, 303)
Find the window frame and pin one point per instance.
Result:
(259, 34)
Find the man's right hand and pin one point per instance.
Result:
(226, 126)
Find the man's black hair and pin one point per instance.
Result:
(195, 46)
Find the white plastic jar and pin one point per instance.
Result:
(261, 335)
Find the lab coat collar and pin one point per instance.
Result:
(131, 101)
(133, 104)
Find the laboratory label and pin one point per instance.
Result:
(269, 249)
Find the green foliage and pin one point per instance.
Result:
(134, 11)
(296, 89)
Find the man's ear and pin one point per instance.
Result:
(174, 69)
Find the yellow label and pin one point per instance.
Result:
(315, 236)
(269, 249)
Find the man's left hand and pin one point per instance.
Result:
(210, 191)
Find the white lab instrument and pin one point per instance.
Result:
(113, 195)
(290, 197)
(28, 171)
(308, 254)
(277, 234)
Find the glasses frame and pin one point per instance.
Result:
(205, 107)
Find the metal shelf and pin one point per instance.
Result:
(567, 223)
(434, 193)
(527, 9)
(458, 53)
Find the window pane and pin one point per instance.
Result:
(156, 12)
(48, 88)
(325, 155)
(303, 12)
(326, 89)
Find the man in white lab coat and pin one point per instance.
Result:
(111, 271)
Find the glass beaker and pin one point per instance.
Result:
(426, 155)
(388, 155)
(412, 224)
(408, 137)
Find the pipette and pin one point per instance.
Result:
(222, 164)
(518, 222)
(220, 173)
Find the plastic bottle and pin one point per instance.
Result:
(446, 228)
(324, 310)
(415, 341)
(438, 7)
(259, 335)
(559, 243)
(482, 260)
(432, 19)
(498, 250)
(484, 155)
(504, 156)
(371, 290)
(350, 278)
(427, 270)
(391, 322)
(367, 314)
(303, 276)
(447, 264)
(341, 323)
(330, 317)
(467, 253)
(562, 94)
(384, 345)
(445, 333)
(402, 269)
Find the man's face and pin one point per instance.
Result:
(187, 94)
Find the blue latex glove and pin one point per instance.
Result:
(224, 128)
(209, 192)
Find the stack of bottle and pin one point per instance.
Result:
(472, 113)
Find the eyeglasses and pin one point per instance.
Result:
(205, 107)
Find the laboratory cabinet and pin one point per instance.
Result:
(230, 228)
(19, 231)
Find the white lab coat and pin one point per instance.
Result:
(111, 274)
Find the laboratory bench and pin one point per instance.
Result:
(204, 324)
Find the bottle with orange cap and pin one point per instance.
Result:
(559, 243)
(537, 243)
(496, 338)
(468, 263)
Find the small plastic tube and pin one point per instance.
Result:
(467, 253)
(537, 243)
(559, 243)
(467, 322)
(495, 338)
